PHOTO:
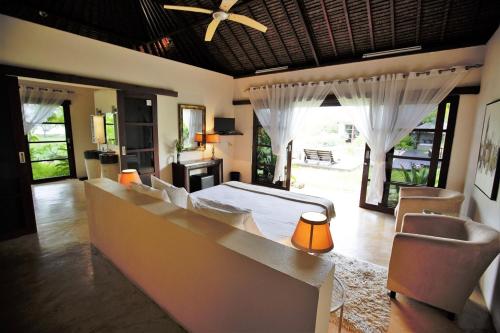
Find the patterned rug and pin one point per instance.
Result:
(367, 306)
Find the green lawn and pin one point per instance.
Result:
(43, 170)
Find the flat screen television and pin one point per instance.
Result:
(224, 125)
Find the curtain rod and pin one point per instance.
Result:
(48, 89)
(450, 69)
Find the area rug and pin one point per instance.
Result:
(367, 306)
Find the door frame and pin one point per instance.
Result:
(14, 119)
(70, 148)
(434, 159)
(122, 132)
(256, 125)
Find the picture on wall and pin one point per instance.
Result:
(488, 163)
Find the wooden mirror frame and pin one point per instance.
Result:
(181, 107)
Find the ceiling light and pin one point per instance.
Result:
(43, 13)
(389, 52)
(269, 70)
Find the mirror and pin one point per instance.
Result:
(191, 121)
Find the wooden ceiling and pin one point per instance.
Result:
(300, 33)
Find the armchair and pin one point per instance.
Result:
(416, 199)
(439, 259)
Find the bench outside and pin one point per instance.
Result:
(318, 155)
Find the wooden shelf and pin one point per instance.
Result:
(229, 134)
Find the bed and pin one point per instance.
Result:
(275, 212)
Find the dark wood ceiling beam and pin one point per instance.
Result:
(256, 49)
(348, 23)
(273, 26)
(328, 26)
(445, 19)
(370, 23)
(393, 32)
(306, 27)
(265, 40)
(293, 29)
(228, 47)
(417, 29)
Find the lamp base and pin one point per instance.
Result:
(213, 152)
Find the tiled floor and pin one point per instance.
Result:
(53, 282)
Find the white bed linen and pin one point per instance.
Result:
(275, 217)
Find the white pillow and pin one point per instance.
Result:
(149, 191)
(237, 217)
(178, 195)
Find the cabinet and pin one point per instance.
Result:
(181, 172)
(138, 132)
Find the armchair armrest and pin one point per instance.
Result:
(434, 225)
(422, 191)
(434, 270)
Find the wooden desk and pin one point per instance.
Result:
(182, 171)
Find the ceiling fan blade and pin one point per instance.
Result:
(247, 21)
(189, 9)
(211, 30)
(227, 4)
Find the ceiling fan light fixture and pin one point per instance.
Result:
(220, 16)
(394, 51)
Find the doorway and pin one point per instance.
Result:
(421, 158)
(50, 144)
(327, 156)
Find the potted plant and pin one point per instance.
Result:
(178, 148)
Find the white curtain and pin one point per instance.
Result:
(281, 109)
(38, 104)
(195, 124)
(387, 108)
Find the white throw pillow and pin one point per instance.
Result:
(149, 191)
(178, 195)
(237, 217)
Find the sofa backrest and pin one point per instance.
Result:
(209, 276)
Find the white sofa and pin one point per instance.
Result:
(209, 276)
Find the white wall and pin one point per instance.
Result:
(82, 106)
(477, 205)
(418, 62)
(31, 45)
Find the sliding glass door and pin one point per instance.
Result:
(51, 148)
(419, 159)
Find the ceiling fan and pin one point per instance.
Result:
(220, 15)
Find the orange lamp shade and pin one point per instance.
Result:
(198, 137)
(312, 233)
(213, 138)
(129, 176)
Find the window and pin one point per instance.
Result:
(50, 149)
(264, 161)
(419, 159)
(110, 121)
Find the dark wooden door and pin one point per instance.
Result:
(138, 132)
(17, 216)
(264, 161)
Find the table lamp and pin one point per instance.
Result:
(129, 176)
(213, 138)
(312, 233)
(198, 137)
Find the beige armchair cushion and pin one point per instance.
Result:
(416, 199)
(439, 259)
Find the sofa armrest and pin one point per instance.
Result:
(434, 270)
(433, 225)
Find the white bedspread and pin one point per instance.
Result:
(274, 211)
